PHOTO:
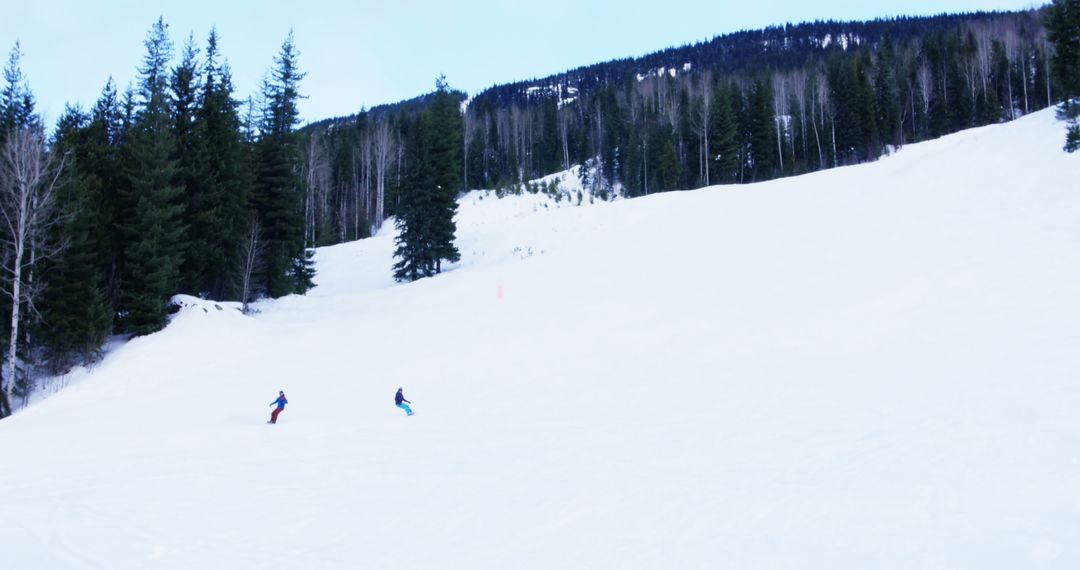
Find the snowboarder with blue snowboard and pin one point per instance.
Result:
(280, 401)
(401, 402)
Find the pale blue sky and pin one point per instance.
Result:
(366, 53)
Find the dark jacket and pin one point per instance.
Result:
(398, 399)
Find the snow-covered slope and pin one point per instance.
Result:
(871, 367)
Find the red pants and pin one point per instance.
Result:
(273, 416)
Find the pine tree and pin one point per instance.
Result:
(667, 161)
(153, 249)
(415, 206)
(428, 199)
(869, 140)
(724, 133)
(16, 99)
(100, 156)
(549, 151)
(184, 102)
(444, 156)
(887, 91)
(278, 190)
(1063, 29)
(219, 190)
(75, 315)
(762, 117)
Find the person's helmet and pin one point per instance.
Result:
(281, 391)
(400, 389)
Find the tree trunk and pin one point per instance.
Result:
(779, 145)
(817, 136)
(833, 125)
(1024, 71)
(645, 153)
(16, 303)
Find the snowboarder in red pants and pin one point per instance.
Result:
(280, 401)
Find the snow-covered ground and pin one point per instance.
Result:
(871, 367)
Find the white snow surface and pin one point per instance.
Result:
(870, 367)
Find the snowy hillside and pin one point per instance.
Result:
(870, 367)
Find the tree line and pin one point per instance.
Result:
(171, 185)
(743, 107)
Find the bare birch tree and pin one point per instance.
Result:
(252, 258)
(925, 80)
(797, 81)
(469, 124)
(826, 107)
(598, 180)
(1047, 53)
(383, 151)
(984, 54)
(780, 105)
(702, 121)
(564, 117)
(316, 203)
(29, 176)
(521, 124)
(364, 196)
(813, 119)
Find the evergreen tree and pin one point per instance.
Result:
(667, 161)
(16, 99)
(548, 149)
(724, 133)
(100, 156)
(887, 92)
(415, 206)
(936, 60)
(278, 189)
(428, 199)
(75, 315)
(1063, 29)
(762, 117)
(960, 99)
(444, 155)
(185, 91)
(869, 140)
(219, 189)
(153, 248)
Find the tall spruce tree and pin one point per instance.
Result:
(219, 191)
(414, 255)
(75, 314)
(428, 198)
(887, 92)
(184, 102)
(16, 99)
(724, 133)
(278, 190)
(762, 115)
(1063, 29)
(152, 224)
(666, 159)
(444, 154)
(101, 157)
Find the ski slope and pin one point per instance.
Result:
(869, 367)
